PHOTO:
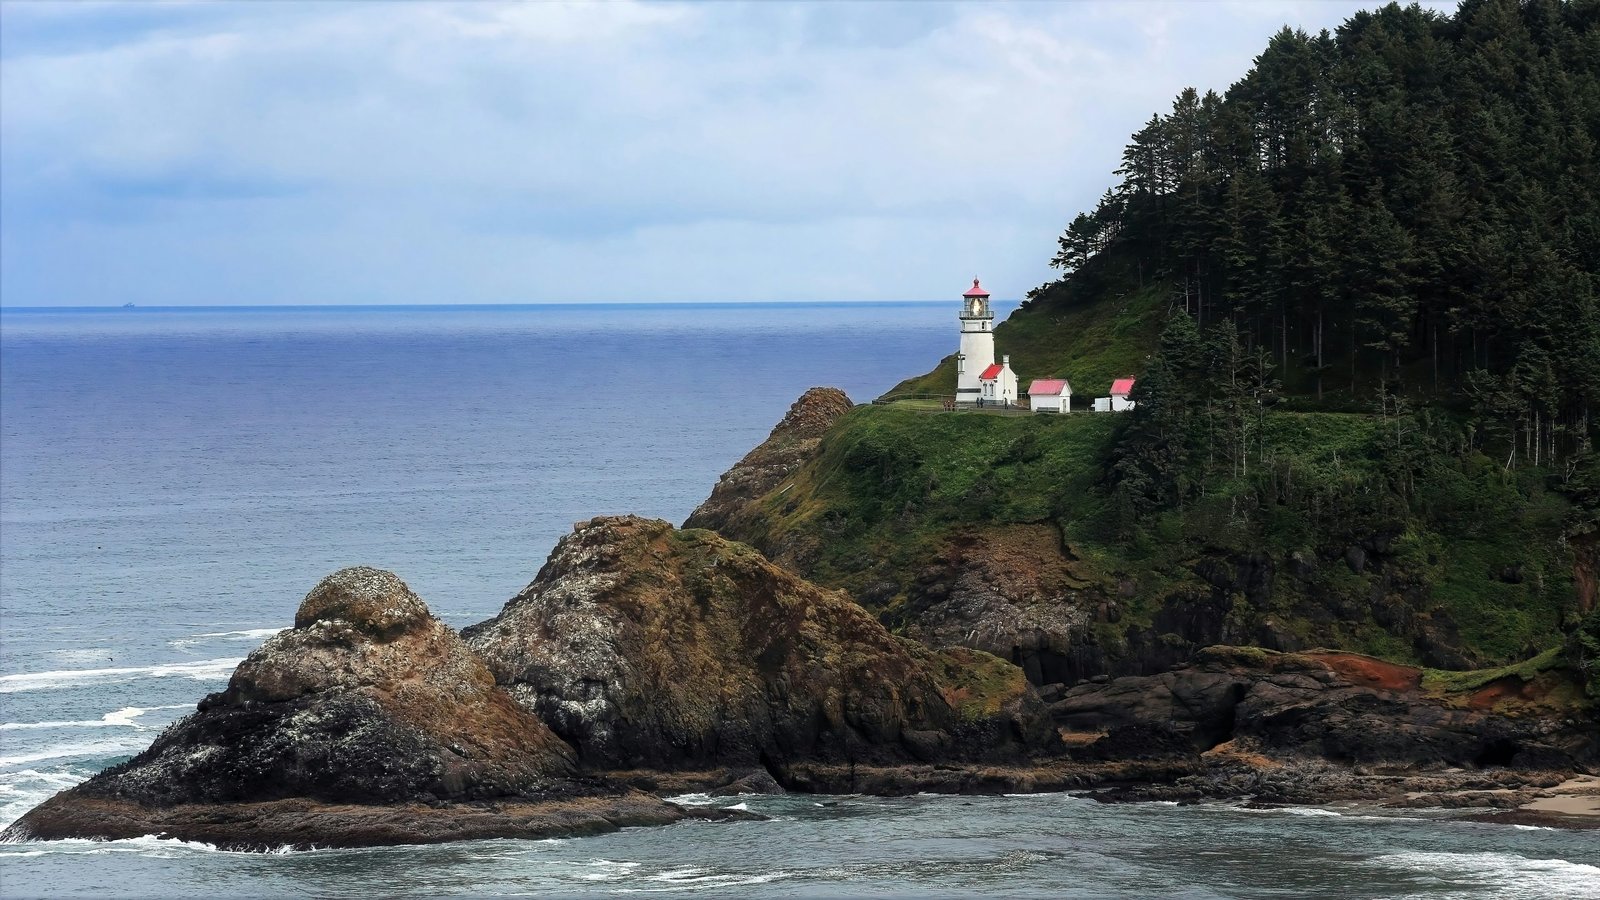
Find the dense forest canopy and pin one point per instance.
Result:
(1408, 207)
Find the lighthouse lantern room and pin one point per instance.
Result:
(977, 344)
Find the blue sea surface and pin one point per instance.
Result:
(172, 482)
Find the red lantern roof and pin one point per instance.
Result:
(977, 290)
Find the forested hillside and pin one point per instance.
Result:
(1410, 205)
(1360, 294)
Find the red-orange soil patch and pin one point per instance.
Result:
(1502, 689)
(1372, 673)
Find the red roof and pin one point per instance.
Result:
(1122, 387)
(990, 373)
(977, 290)
(1048, 387)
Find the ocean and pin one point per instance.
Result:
(173, 481)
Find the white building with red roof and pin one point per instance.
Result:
(997, 384)
(1050, 395)
(977, 347)
(1118, 401)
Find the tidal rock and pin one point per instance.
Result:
(368, 722)
(1340, 707)
(648, 647)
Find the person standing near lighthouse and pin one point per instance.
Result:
(977, 345)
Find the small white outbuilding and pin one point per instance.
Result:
(1118, 401)
(1050, 395)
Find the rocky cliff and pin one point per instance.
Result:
(1341, 707)
(1005, 534)
(1322, 726)
(791, 444)
(649, 647)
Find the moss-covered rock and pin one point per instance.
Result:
(645, 646)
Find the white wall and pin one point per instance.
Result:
(1051, 402)
(977, 346)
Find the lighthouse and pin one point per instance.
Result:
(977, 344)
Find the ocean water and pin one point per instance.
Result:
(172, 482)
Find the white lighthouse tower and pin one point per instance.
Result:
(977, 344)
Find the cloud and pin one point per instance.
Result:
(327, 153)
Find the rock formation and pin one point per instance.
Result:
(763, 469)
(1249, 711)
(368, 722)
(648, 647)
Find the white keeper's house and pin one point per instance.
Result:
(1050, 395)
(998, 384)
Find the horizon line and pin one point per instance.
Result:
(523, 305)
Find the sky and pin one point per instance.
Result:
(325, 153)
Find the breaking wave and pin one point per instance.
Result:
(122, 718)
(204, 670)
(1508, 875)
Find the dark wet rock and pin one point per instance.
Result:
(1338, 707)
(649, 647)
(757, 782)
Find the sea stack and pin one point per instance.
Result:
(369, 722)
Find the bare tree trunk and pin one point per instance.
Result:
(1319, 353)
(1435, 328)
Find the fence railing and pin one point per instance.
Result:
(947, 403)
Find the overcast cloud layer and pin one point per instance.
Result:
(278, 153)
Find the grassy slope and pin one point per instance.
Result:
(891, 486)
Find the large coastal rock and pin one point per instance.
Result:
(1338, 707)
(1007, 591)
(649, 647)
(763, 469)
(369, 722)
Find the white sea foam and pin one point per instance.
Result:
(149, 845)
(609, 870)
(694, 878)
(739, 806)
(692, 799)
(108, 747)
(1508, 875)
(205, 670)
(1310, 812)
(248, 634)
(123, 718)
